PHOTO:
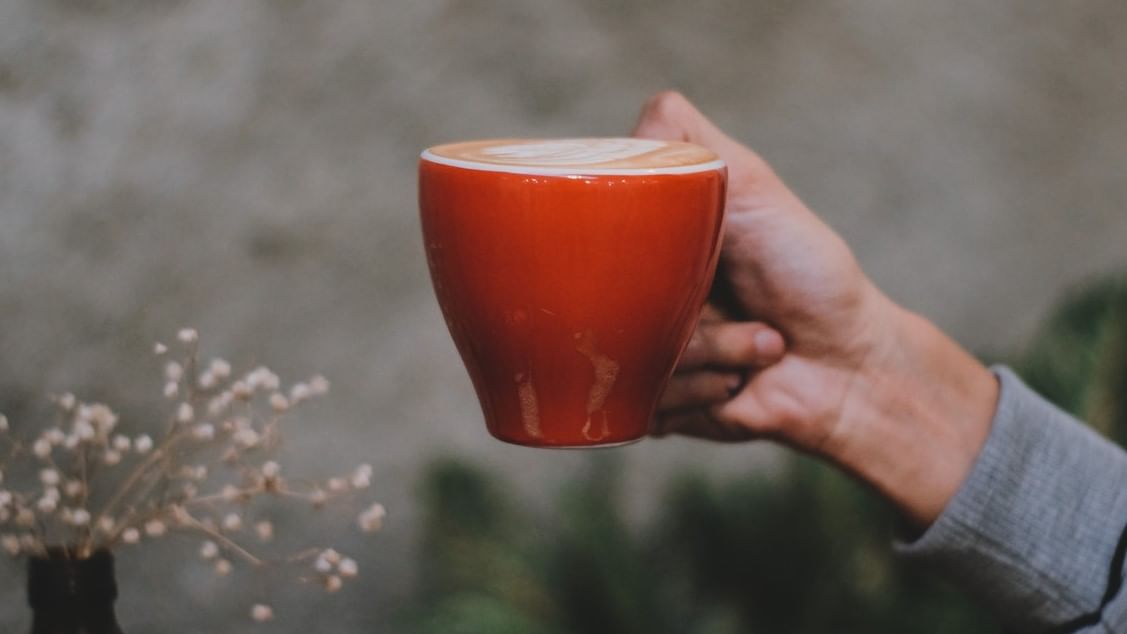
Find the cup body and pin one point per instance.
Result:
(570, 297)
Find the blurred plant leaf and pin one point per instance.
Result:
(1078, 359)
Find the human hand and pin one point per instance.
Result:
(861, 381)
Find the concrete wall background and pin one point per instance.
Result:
(248, 168)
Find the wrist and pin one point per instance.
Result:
(916, 415)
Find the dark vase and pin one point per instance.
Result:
(69, 595)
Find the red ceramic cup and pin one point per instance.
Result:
(571, 274)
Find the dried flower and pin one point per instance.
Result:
(47, 505)
(222, 567)
(80, 517)
(74, 488)
(333, 583)
(279, 402)
(49, 477)
(173, 371)
(209, 550)
(207, 380)
(83, 430)
(300, 392)
(246, 438)
(242, 390)
(4, 426)
(230, 493)
(204, 432)
(348, 568)
(185, 413)
(262, 378)
(361, 481)
(271, 470)
(261, 613)
(188, 335)
(131, 536)
(159, 348)
(41, 448)
(10, 544)
(319, 385)
(122, 443)
(67, 402)
(371, 520)
(111, 457)
(232, 522)
(331, 556)
(265, 530)
(220, 368)
(155, 528)
(103, 418)
(171, 390)
(143, 443)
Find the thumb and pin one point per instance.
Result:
(670, 116)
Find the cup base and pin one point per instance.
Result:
(605, 445)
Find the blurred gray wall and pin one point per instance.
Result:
(247, 167)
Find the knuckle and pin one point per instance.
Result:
(697, 346)
(667, 104)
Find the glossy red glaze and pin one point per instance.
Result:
(570, 298)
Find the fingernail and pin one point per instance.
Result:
(767, 343)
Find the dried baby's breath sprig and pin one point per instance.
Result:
(205, 473)
(261, 612)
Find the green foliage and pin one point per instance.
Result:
(799, 554)
(1079, 358)
(803, 552)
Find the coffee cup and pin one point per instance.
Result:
(571, 273)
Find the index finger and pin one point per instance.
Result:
(732, 345)
(670, 116)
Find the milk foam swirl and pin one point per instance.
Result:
(571, 152)
(576, 156)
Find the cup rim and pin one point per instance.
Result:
(577, 172)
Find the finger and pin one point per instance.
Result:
(699, 388)
(732, 345)
(695, 423)
(712, 313)
(746, 410)
(669, 115)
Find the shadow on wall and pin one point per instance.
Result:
(804, 553)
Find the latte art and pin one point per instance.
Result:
(571, 152)
(576, 156)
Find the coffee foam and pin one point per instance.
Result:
(576, 156)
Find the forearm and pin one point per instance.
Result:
(916, 416)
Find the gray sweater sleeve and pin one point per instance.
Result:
(1037, 530)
